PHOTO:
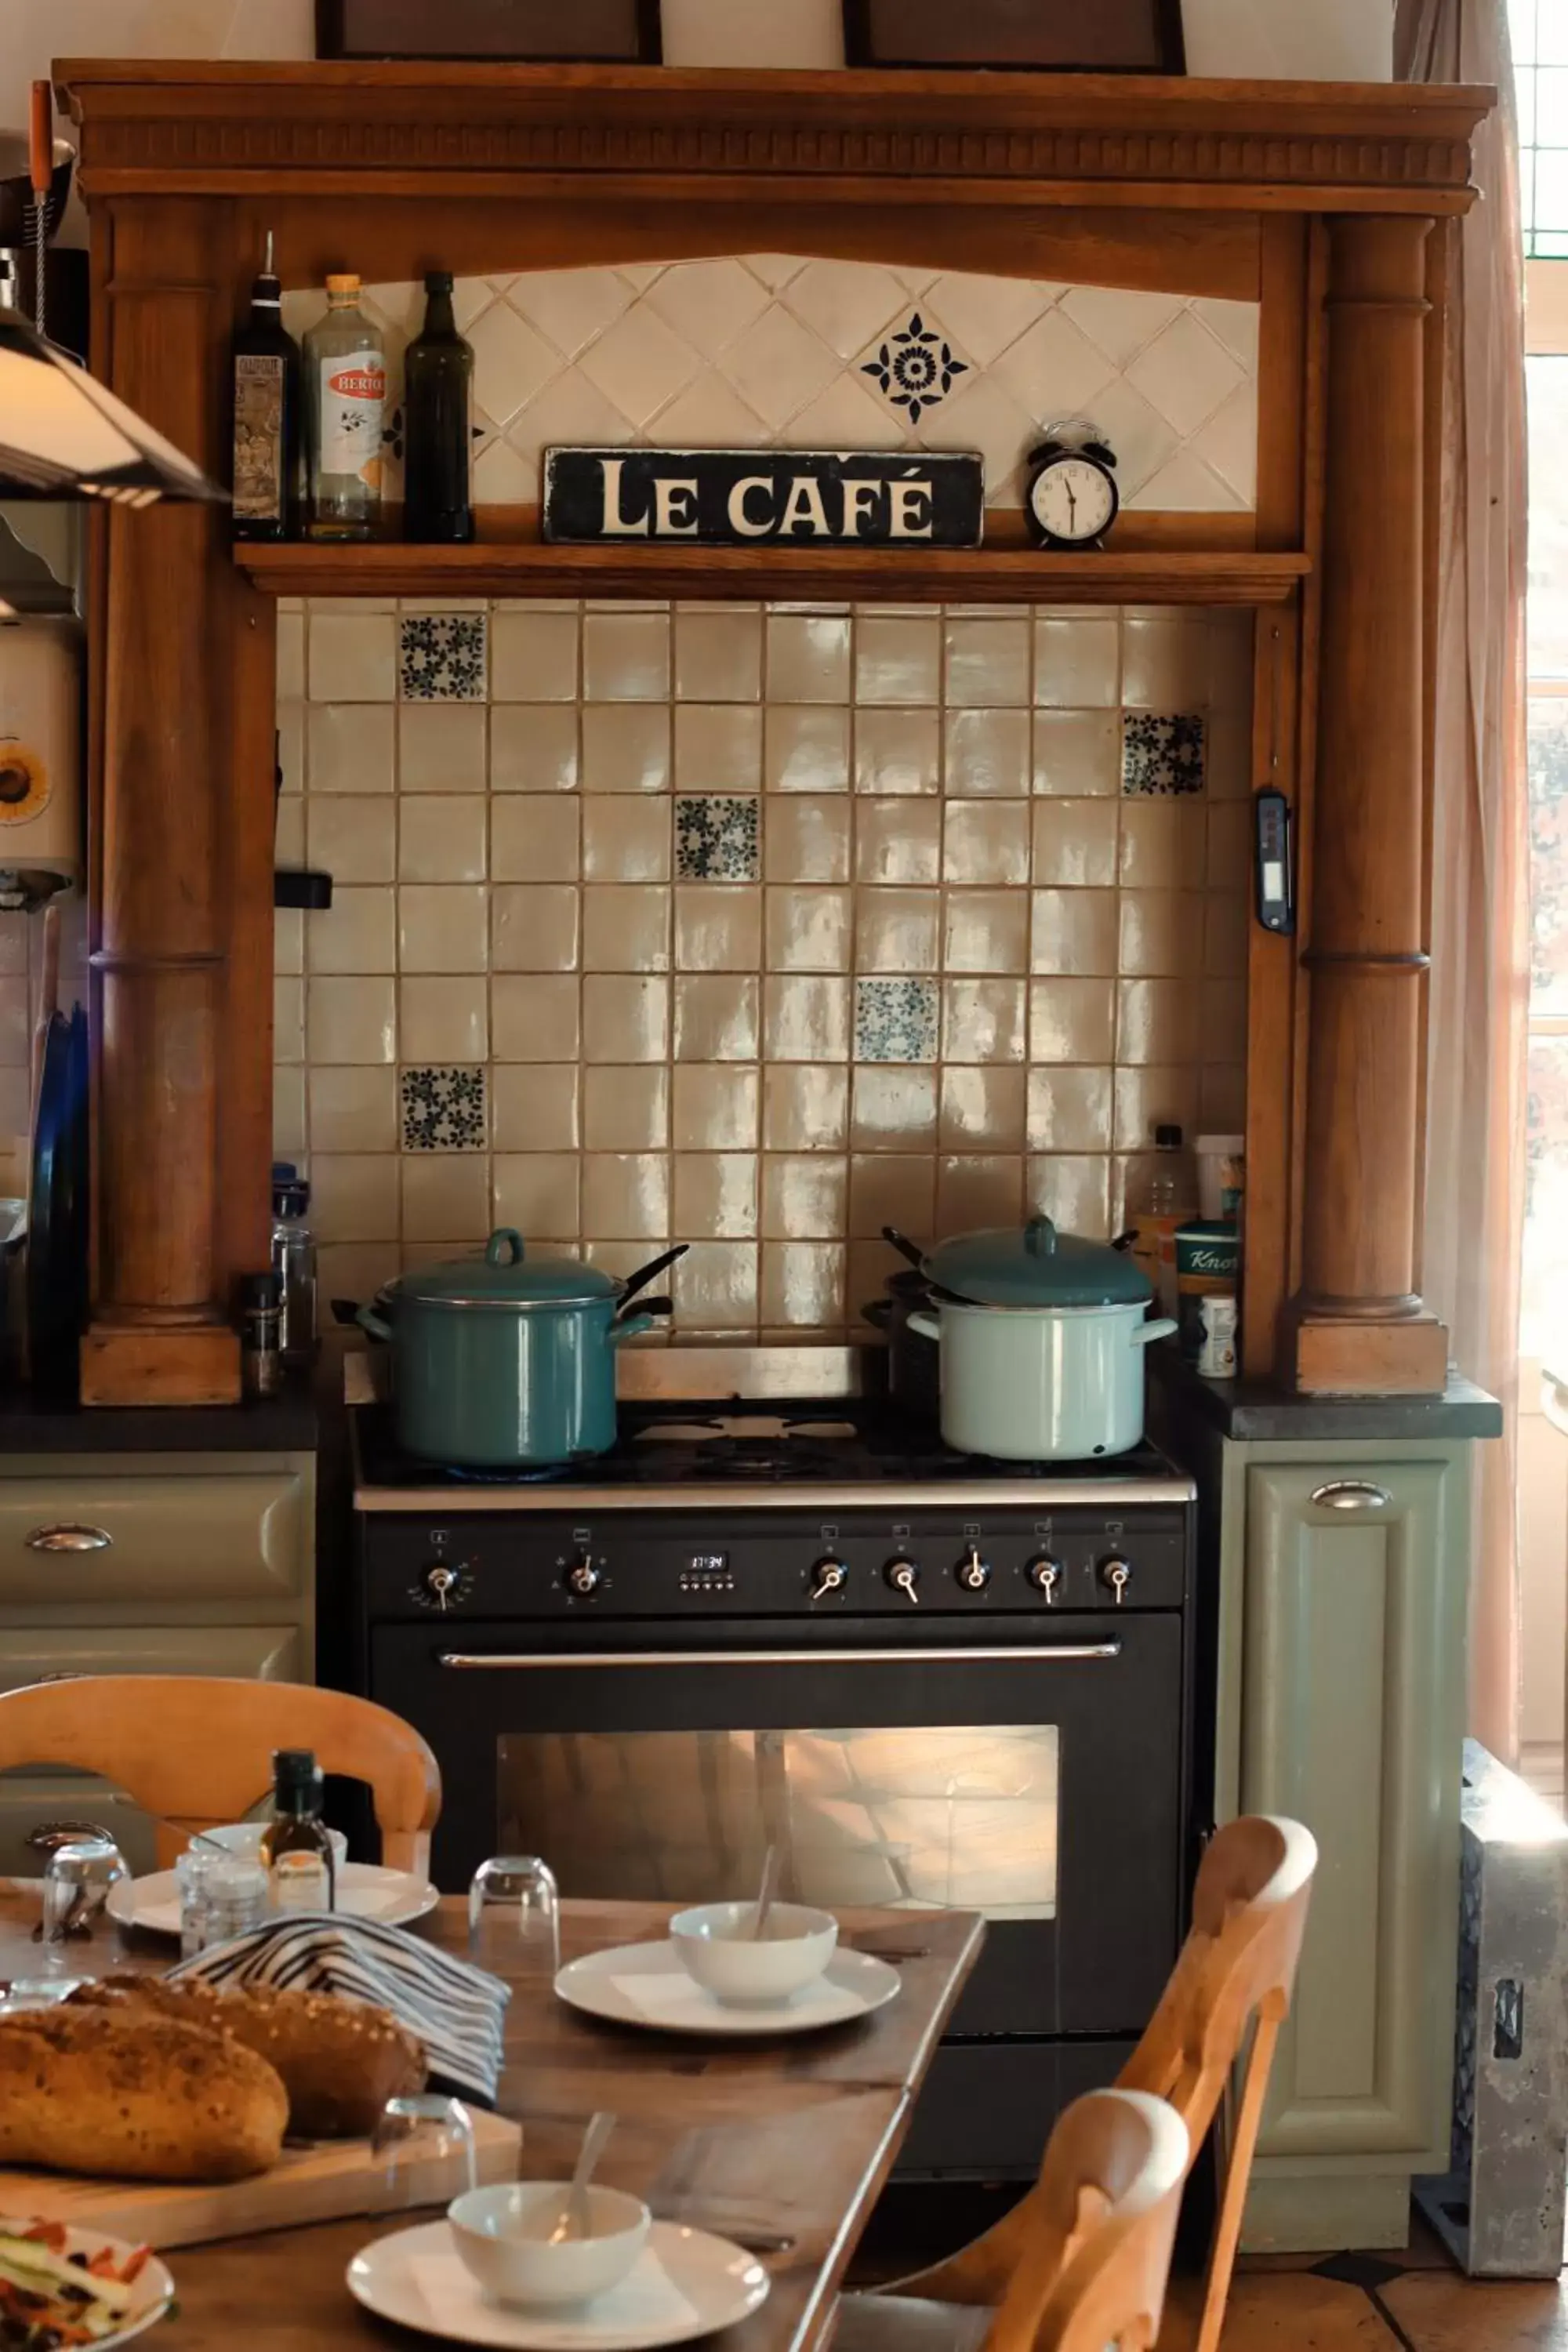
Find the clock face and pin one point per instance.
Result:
(1073, 500)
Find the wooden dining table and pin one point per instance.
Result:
(783, 2145)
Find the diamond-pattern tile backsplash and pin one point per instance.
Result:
(774, 348)
(758, 926)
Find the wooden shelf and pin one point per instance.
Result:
(1219, 575)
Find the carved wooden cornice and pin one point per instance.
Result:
(171, 129)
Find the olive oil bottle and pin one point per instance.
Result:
(265, 415)
(437, 390)
(295, 1844)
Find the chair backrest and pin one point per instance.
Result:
(1249, 1913)
(1094, 2268)
(195, 1751)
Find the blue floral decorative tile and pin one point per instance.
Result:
(895, 1020)
(441, 657)
(716, 837)
(1162, 754)
(443, 1109)
(915, 367)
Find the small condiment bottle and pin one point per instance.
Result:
(260, 1335)
(296, 1846)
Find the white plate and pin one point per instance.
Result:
(153, 2291)
(683, 2283)
(365, 1891)
(853, 1985)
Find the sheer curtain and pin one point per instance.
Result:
(1480, 959)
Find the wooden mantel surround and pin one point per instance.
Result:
(1331, 205)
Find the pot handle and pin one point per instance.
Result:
(925, 1326)
(1161, 1328)
(369, 1321)
(879, 1314)
(505, 1247)
(629, 1329)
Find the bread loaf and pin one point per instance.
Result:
(339, 2060)
(143, 2096)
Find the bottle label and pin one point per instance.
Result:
(258, 484)
(353, 392)
(301, 1883)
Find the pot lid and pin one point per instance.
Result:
(508, 1275)
(1036, 1265)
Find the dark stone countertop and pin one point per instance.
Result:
(281, 1424)
(1253, 1412)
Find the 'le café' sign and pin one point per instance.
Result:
(733, 498)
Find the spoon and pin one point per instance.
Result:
(573, 2219)
(766, 1893)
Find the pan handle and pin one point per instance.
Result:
(905, 1248)
(645, 1274)
(879, 1314)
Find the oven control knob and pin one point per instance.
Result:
(1116, 1575)
(583, 1576)
(973, 1572)
(903, 1576)
(441, 1585)
(1046, 1575)
(827, 1575)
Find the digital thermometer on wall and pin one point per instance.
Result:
(1276, 887)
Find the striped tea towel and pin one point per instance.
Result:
(455, 2009)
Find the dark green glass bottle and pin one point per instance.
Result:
(438, 392)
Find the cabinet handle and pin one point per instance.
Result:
(1352, 1494)
(68, 1539)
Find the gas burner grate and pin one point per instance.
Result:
(551, 1475)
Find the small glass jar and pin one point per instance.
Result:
(222, 1896)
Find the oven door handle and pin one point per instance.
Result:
(512, 1660)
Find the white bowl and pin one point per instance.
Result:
(717, 1947)
(245, 1837)
(490, 2229)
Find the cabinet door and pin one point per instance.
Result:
(157, 1538)
(1352, 1721)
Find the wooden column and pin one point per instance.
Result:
(160, 1329)
(1358, 1325)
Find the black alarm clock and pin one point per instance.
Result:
(1071, 499)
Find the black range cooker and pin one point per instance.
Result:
(933, 1679)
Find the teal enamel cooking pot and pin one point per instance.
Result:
(506, 1363)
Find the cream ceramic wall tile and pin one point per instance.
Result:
(1074, 933)
(442, 746)
(535, 928)
(1164, 663)
(716, 1286)
(806, 840)
(897, 750)
(986, 842)
(291, 1131)
(1078, 662)
(987, 663)
(446, 1198)
(536, 1018)
(288, 941)
(1069, 1109)
(350, 747)
(807, 658)
(1224, 1018)
(289, 832)
(716, 1019)
(625, 1018)
(353, 1196)
(718, 747)
(534, 838)
(1151, 1098)
(351, 1020)
(626, 840)
(625, 749)
(626, 656)
(291, 657)
(354, 656)
(534, 748)
(1077, 753)
(804, 1018)
(441, 927)
(1227, 756)
(807, 930)
(980, 1190)
(898, 840)
(287, 1023)
(291, 718)
(1227, 931)
(625, 1109)
(898, 659)
(987, 753)
(628, 1195)
(890, 1188)
(719, 655)
(805, 1196)
(1158, 1020)
(353, 1109)
(354, 840)
(893, 1108)
(538, 1192)
(717, 926)
(805, 1107)
(442, 1020)
(806, 751)
(442, 838)
(533, 657)
(898, 930)
(981, 1108)
(1230, 836)
(804, 1284)
(987, 930)
(625, 928)
(1074, 1191)
(1072, 1020)
(1223, 1099)
(1163, 844)
(716, 1194)
(536, 1107)
(1075, 842)
(983, 1021)
(717, 1107)
(1161, 934)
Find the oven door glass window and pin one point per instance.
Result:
(953, 1817)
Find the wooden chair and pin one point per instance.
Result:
(1236, 1970)
(195, 1751)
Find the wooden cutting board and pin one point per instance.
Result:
(325, 2182)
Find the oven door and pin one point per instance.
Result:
(1035, 1780)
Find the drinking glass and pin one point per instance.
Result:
(223, 1893)
(78, 1878)
(514, 1919)
(424, 2147)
